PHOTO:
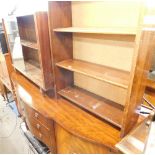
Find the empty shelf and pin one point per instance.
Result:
(113, 30)
(29, 44)
(105, 109)
(30, 71)
(110, 75)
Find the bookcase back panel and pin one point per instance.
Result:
(31, 56)
(26, 28)
(101, 88)
(109, 51)
(108, 13)
(115, 51)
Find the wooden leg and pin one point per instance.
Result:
(3, 97)
(6, 94)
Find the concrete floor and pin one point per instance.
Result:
(12, 139)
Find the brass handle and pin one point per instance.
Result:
(40, 135)
(38, 126)
(36, 115)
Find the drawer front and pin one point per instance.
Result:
(31, 113)
(39, 127)
(42, 134)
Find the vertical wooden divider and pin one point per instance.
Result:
(43, 41)
(138, 79)
(61, 44)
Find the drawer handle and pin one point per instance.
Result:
(38, 126)
(40, 135)
(36, 115)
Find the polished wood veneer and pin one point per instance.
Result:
(41, 127)
(67, 115)
(71, 144)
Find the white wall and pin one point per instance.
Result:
(23, 6)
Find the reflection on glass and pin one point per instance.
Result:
(23, 46)
(12, 30)
(14, 41)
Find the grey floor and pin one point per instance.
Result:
(12, 139)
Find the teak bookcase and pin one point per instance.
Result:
(36, 63)
(101, 69)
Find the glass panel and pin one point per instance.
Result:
(12, 31)
(23, 46)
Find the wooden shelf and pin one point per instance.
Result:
(110, 75)
(103, 108)
(29, 44)
(29, 70)
(113, 30)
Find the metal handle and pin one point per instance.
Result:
(36, 115)
(40, 135)
(38, 126)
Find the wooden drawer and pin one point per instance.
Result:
(42, 133)
(31, 113)
(38, 126)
